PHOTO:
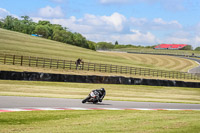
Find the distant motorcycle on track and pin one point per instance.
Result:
(95, 96)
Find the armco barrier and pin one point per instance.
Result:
(36, 76)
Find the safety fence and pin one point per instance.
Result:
(87, 66)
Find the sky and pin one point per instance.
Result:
(136, 22)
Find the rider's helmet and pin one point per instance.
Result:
(102, 90)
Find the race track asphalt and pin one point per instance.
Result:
(38, 102)
(196, 69)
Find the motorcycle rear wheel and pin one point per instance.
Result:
(95, 101)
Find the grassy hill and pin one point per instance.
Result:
(22, 44)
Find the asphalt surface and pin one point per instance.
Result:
(196, 69)
(35, 102)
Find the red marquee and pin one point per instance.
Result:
(170, 46)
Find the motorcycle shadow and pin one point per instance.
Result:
(99, 103)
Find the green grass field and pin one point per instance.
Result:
(100, 122)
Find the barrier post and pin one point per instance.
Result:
(29, 61)
(63, 64)
(21, 60)
(13, 59)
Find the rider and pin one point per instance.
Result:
(102, 93)
(99, 93)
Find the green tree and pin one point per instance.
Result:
(18, 26)
(55, 32)
(104, 46)
(58, 35)
(92, 45)
(26, 20)
(61, 35)
(79, 40)
(197, 49)
(42, 30)
(1, 23)
(116, 42)
(70, 38)
(188, 47)
(8, 23)
(44, 23)
(28, 25)
(120, 46)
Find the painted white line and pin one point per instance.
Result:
(76, 108)
(112, 108)
(48, 109)
(80, 108)
(12, 110)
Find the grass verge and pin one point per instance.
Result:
(114, 91)
(100, 121)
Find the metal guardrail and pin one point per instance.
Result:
(87, 66)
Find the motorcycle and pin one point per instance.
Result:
(92, 97)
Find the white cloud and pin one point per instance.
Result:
(50, 12)
(155, 24)
(138, 21)
(159, 23)
(162, 22)
(116, 19)
(178, 40)
(95, 24)
(181, 34)
(197, 28)
(197, 41)
(136, 37)
(4, 13)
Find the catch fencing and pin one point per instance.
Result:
(87, 66)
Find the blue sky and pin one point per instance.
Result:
(138, 22)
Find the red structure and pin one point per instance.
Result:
(170, 46)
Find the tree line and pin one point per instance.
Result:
(62, 34)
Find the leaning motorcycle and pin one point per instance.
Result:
(92, 97)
